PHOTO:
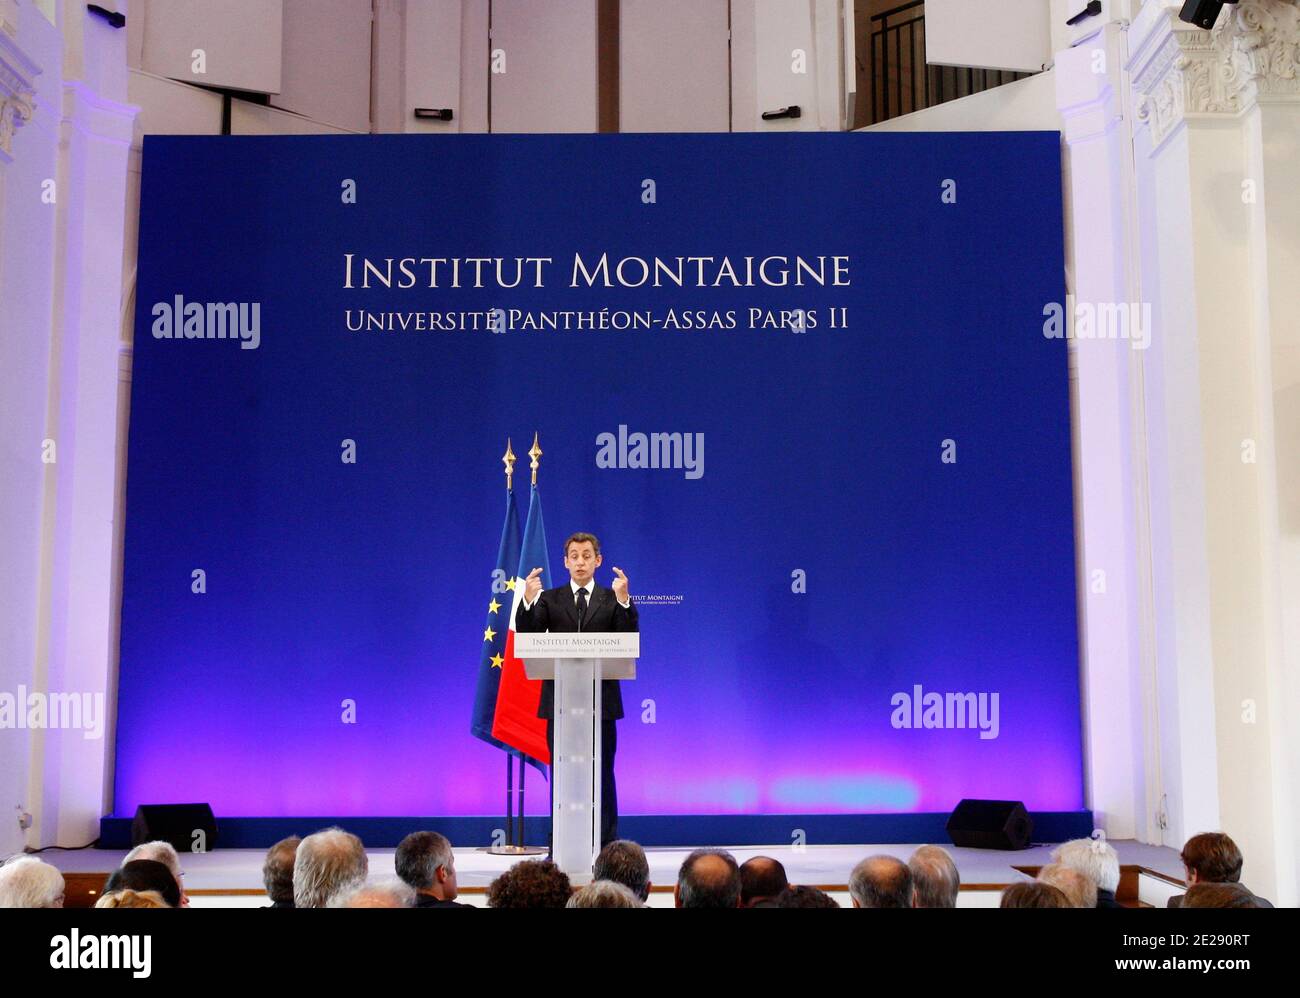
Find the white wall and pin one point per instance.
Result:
(549, 78)
(60, 281)
(1211, 121)
(239, 41)
(674, 66)
(27, 236)
(325, 65)
(997, 34)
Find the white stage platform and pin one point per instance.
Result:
(232, 878)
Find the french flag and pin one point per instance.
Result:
(516, 722)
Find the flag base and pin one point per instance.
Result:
(513, 850)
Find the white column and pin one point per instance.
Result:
(1218, 111)
(75, 651)
(1110, 487)
(30, 89)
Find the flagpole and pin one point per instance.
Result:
(514, 844)
(510, 793)
(508, 459)
(523, 769)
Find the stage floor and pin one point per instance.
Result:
(233, 877)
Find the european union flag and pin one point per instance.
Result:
(500, 605)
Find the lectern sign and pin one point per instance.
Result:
(594, 645)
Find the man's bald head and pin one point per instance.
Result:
(881, 882)
(709, 878)
(935, 880)
(762, 878)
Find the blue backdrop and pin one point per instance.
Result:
(329, 581)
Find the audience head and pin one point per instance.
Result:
(327, 861)
(604, 894)
(762, 878)
(1033, 894)
(881, 882)
(426, 863)
(935, 881)
(534, 883)
(798, 896)
(127, 898)
(709, 878)
(1211, 857)
(1096, 859)
(1080, 889)
(277, 870)
(165, 853)
(1216, 895)
(27, 882)
(145, 875)
(362, 895)
(624, 862)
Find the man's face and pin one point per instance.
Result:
(581, 560)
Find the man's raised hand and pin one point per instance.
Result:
(620, 585)
(532, 586)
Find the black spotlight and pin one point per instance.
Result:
(1202, 13)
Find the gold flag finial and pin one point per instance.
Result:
(508, 459)
(535, 452)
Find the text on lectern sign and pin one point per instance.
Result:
(568, 645)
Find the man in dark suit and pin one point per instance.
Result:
(583, 606)
(425, 863)
(1212, 858)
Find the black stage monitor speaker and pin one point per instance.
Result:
(990, 824)
(188, 827)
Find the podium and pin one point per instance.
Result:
(578, 662)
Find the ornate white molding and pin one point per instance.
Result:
(1251, 56)
(17, 91)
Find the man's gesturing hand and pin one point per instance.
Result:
(532, 586)
(620, 585)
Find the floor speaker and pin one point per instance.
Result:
(990, 824)
(188, 827)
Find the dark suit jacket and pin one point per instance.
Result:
(555, 610)
(429, 901)
(1177, 900)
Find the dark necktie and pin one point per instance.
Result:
(582, 606)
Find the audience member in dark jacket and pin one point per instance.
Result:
(425, 862)
(277, 872)
(1212, 858)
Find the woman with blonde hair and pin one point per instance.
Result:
(127, 898)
